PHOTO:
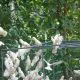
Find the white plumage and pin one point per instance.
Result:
(62, 78)
(37, 42)
(57, 40)
(8, 62)
(21, 52)
(1, 43)
(3, 32)
(48, 66)
(35, 59)
(21, 74)
(28, 63)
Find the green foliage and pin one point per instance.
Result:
(43, 18)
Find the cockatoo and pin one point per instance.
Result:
(12, 55)
(37, 42)
(47, 78)
(48, 66)
(38, 53)
(16, 63)
(21, 52)
(13, 77)
(62, 78)
(34, 61)
(39, 65)
(57, 40)
(77, 72)
(3, 32)
(8, 62)
(28, 63)
(21, 74)
(1, 43)
(6, 73)
(70, 78)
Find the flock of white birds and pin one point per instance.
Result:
(12, 60)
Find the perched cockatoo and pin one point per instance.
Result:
(22, 52)
(13, 77)
(62, 78)
(57, 40)
(38, 53)
(37, 42)
(1, 43)
(70, 78)
(48, 66)
(57, 63)
(16, 63)
(21, 74)
(77, 72)
(8, 62)
(39, 65)
(12, 55)
(47, 78)
(6, 73)
(28, 63)
(3, 32)
(34, 61)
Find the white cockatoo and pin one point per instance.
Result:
(39, 65)
(16, 63)
(8, 62)
(12, 55)
(38, 53)
(21, 74)
(37, 42)
(77, 72)
(48, 67)
(47, 78)
(57, 40)
(22, 52)
(62, 78)
(70, 78)
(13, 77)
(28, 63)
(6, 73)
(1, 43)
(3, 32)
(34, 61)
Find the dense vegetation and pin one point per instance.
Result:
(42, 19)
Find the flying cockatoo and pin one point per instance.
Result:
(1, 43)
(3, 32)
(21, 74)
(48, 66)
(28, 63)
(37, 42)
(57, 40)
